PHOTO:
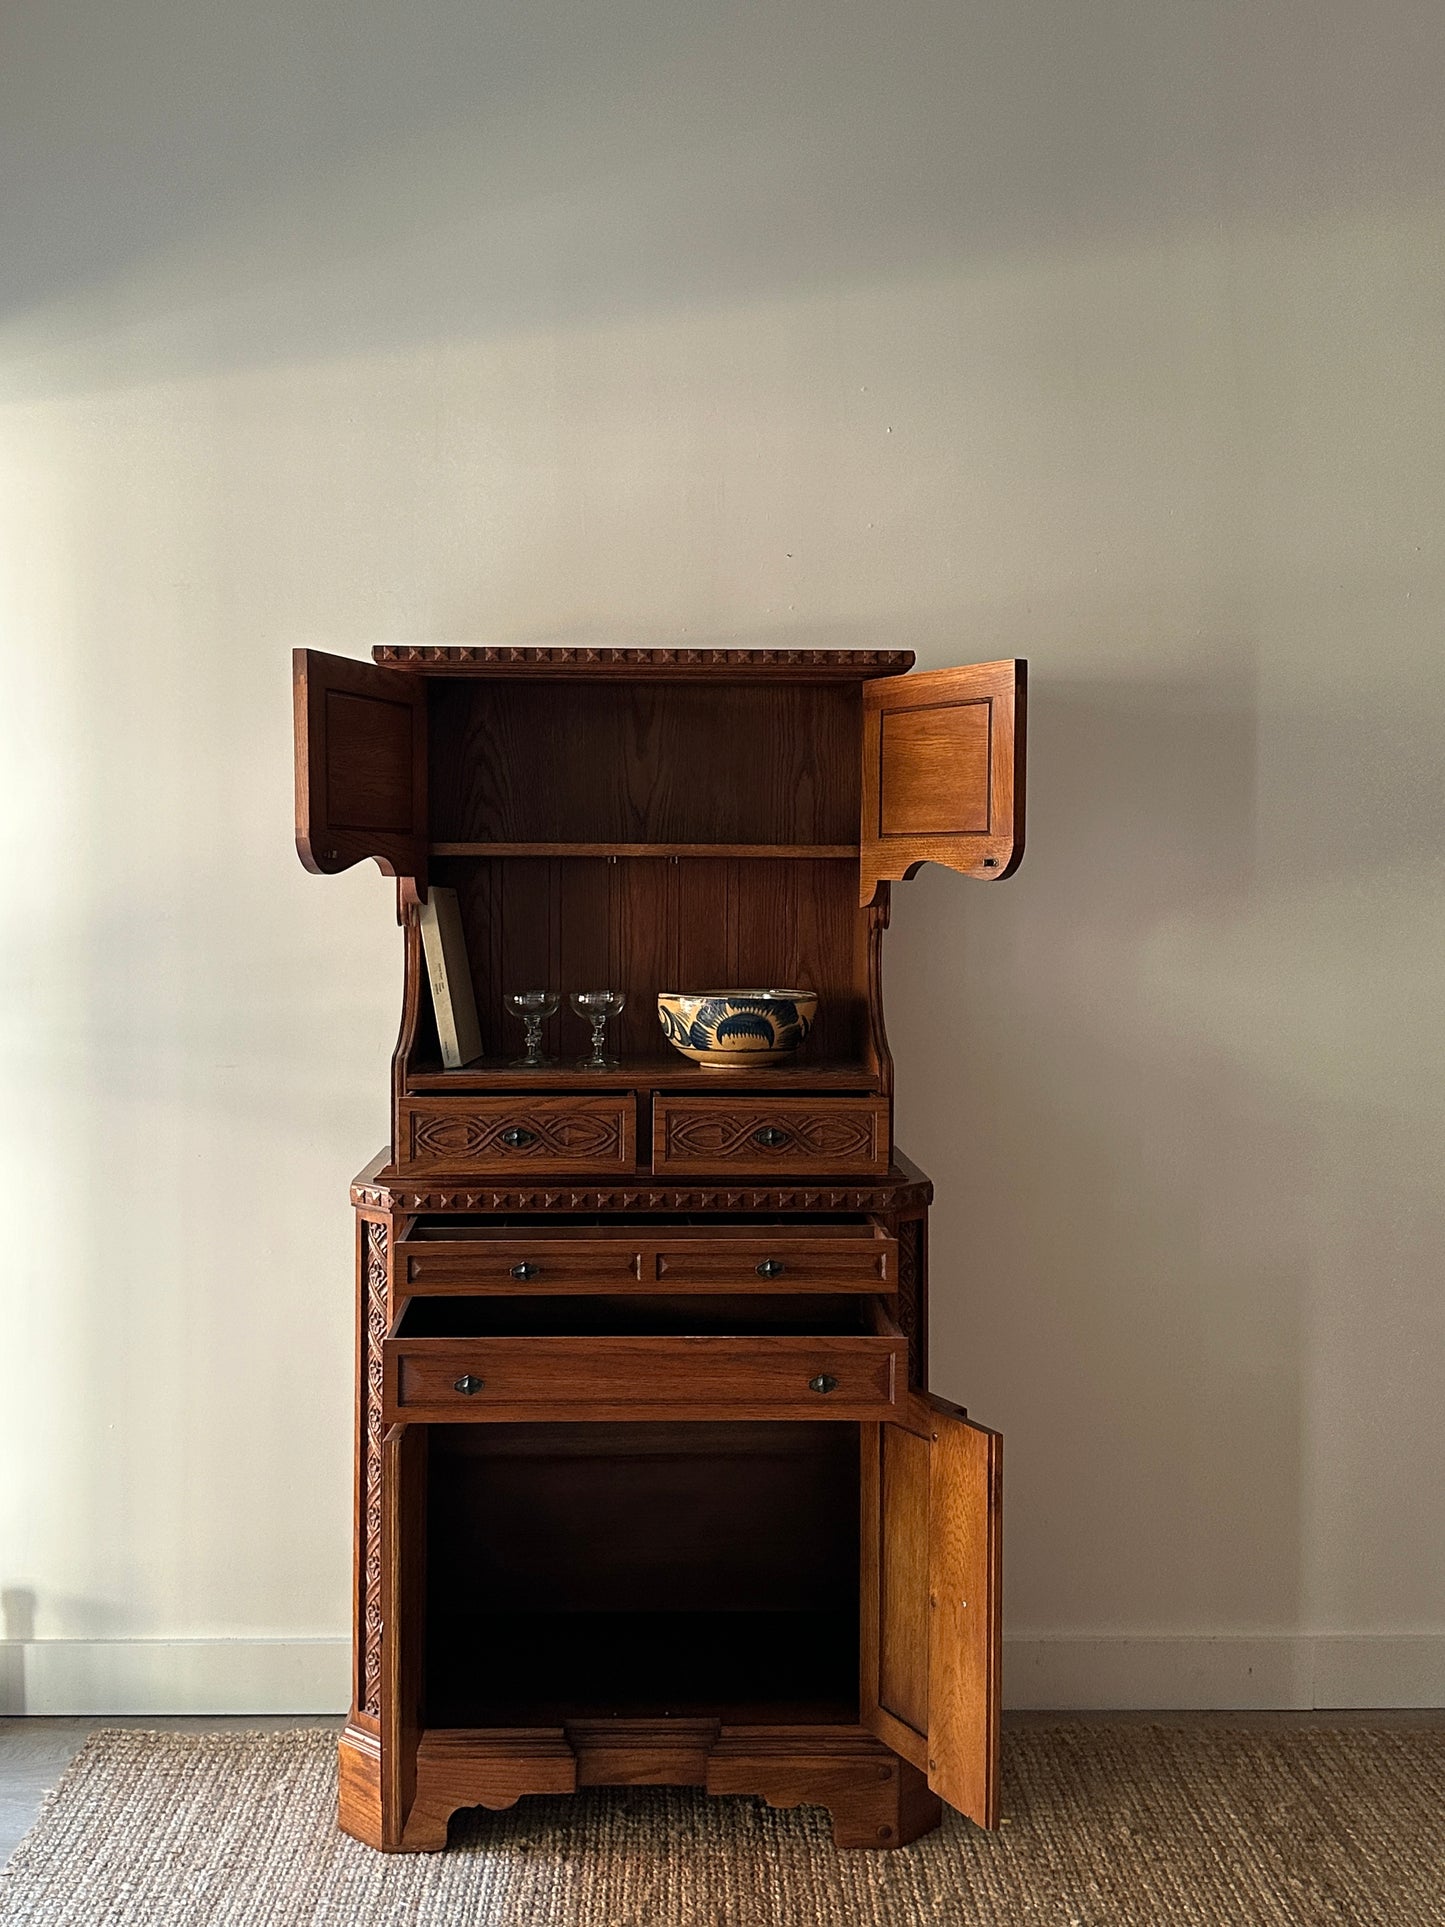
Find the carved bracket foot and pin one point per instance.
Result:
(876, 1799)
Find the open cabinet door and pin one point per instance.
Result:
(360, 765)
(943, 772)
(932, 1598)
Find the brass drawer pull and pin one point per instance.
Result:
(771, 1268)
(822, 1383)
(770, 1137)
(517, 1137)
(466, 1384)
(524, 1271)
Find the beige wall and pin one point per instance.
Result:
(1110, 335)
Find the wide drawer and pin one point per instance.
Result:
(563, 1376)
(540, 1136)
(769, 1136)
(449, 1256)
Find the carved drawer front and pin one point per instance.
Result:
(758, 1137)
(539, 1136)
(608, 1377)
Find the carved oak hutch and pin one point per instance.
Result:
(649, 1486)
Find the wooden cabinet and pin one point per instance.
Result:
(650, 1486)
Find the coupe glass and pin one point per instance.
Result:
(534, 1007)
(598, 1005)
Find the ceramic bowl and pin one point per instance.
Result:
(732, 1027)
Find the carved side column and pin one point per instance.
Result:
(360, 1759)
(374, 1331)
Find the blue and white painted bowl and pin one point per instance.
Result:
(732, 1027)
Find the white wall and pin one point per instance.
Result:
(1106, 334)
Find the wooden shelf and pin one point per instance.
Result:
(841, 851)
(670, 1073)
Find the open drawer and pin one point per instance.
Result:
(454, 1254)
(617, 1358)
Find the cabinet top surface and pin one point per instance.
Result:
(788, 665)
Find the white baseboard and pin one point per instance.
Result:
(1298, 1671)
(175, 1676)
(103, 1676)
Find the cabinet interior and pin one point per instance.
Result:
(640, 1570)
(643, 762)
(607, 836)
(654, 1315)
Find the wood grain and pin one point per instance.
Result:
(943, 773)
(541, 1135)
(360, 766)
(613, 1377)
(756, 1136)
(774, 852)
(608, 763)
(728, 1258)
(965, 1559)
(647, 1563)
(903, 1579)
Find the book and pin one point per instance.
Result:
(449, 973)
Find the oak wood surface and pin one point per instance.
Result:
(943, 773)
(360, 766)
(647, 924)
(965, 1560)
(757, 1136)
(805, 1072)
(720, 847)
(730, 1258)
(651, 1561)
(709, 763)
(702, 1377)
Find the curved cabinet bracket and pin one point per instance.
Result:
(943, 773)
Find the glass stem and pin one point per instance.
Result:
(534, 1039)
(599, 1025)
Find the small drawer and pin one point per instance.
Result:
(445, 1258)
(862, 1258)
(769, 1136)
(539, 1136)
(665, 1372)
(441, 1255)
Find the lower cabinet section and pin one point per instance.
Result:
(805, 1612)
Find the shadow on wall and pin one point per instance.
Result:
(444, 170)
(17, 1627)
(1113, 1242)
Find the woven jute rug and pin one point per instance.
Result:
(1108, 1826)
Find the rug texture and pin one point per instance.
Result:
(1108, 1826)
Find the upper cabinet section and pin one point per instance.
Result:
(524, 766)
(943, 773)
(361, 766)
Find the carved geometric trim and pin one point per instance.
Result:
(374, 1331)
(487, 1198)
(834, 1133)
(439, 1135)
(800, 662)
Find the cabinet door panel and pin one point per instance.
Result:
(360, 765)
(943, 772)
(931, 1599)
